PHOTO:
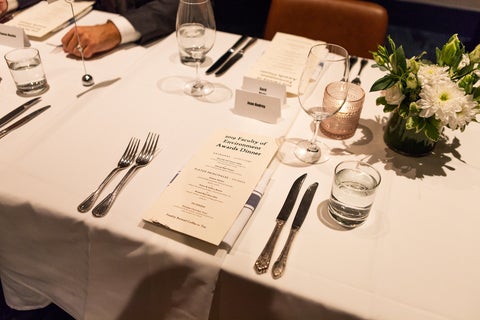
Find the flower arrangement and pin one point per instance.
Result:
(430, 96)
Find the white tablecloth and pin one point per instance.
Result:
(415, 258)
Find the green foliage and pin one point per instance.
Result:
(401, 76)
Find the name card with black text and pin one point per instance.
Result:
(13, 37)
(261, 100)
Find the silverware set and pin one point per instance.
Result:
(363, 63)
(17, 112)
(263, 260)
(227, 60)
(128, 158)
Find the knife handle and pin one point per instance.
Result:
(279, 265)
(263, 261)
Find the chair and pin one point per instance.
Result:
(359, 26)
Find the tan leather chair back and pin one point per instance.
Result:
(358, 26)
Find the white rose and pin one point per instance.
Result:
(393, 95)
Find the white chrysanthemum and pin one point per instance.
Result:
(448, 103)
(393, 95)
(432, 74)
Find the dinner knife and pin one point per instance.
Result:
(226, 55)
(18, 111)
(279, 265)
(263, 261)
(22, 121)
(230, 62)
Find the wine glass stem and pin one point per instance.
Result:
(197, 77)
(313, 145)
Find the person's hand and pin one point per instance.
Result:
(3, 7)
(93, 39)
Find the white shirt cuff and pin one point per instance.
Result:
(127, 31)
(12, 5)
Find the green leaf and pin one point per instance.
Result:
(404, 109)
(389, 107)
(410, 123)
(400, 60)
(431, 130)
(383, 83)
(381, 100)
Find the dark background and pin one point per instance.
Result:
(417, 27)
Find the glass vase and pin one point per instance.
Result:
(406, 142)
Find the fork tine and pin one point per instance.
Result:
(153, 145)
(133, 149)
(145, 145)
(128, 150)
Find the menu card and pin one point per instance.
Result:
(206, 197)
(283, 60)
(44, 18)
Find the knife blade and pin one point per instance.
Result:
(280, 263)
(263, 261)
(22, 121)
(230, 62)
(226, 55)
(18, 111)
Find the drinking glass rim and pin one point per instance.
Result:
(350, 86)
(195, 1)
(21, 49)
(340, 52)
(363, 163)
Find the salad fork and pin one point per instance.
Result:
(143, 158)
(125, 161)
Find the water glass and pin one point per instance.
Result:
(343, 124)
(353, 191)
(27, 71)
(187, 59)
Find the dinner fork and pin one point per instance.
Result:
(363, 63)
(125, 161)
(143, 158)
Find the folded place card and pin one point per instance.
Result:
(267, 88)
(260, 99)
(207, 196)
(13, 37)
(257, 106)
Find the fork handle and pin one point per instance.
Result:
(104, 206)
(88, 203)
(363, 63)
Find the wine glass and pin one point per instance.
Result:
(195, 27)
(326, 65)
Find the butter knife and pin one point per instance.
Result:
(279, 265)
(22, 121)
(263, 261)
(235, 58)
(18, 111)
(226, 55)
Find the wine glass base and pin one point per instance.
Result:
(305, 153)
(198, 88)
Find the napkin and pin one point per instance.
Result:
(247, 210)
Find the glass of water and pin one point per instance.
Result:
(353, 191)
(195, 31)
(27, 71)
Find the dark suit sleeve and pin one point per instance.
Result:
(153, 19)
(26, 3)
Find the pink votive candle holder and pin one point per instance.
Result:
(343, 124)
